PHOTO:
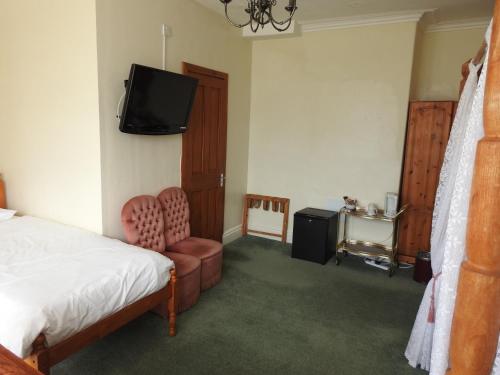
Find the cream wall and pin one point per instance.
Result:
(438, 61)
(328, 108)
(49, 119)
(129, 32)
(328, 118)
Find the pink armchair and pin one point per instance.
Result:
(178, 236)
(143, 225)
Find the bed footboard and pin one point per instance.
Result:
(39, 359)
(43, 358)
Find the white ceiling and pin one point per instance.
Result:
(310, 10)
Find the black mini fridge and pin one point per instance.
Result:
(314, 235)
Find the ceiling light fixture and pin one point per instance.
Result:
(261, 14)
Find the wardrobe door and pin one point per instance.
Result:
(427, 135)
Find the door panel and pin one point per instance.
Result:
(427, 137)
(204, 153)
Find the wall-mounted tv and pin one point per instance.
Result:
(157, 102)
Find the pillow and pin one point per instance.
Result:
(6, 214)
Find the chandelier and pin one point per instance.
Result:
(260, 13)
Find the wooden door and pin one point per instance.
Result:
(204, 153)
(428, 131)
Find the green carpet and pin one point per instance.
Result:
(272, 315)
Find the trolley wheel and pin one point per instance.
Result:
(392, 270)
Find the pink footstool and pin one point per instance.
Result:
(178, 237)
(188, 278)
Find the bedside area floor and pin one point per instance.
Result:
(272, 314)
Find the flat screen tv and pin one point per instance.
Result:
(157, 102)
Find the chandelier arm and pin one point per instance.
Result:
(281, 23)
(269, 17)
(254, 28)
(277, 26)
(288, 20)
(238, 25)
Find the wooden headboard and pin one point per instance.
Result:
(3, 196)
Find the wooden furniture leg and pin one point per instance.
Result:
(171, 303)
(284, 232)
(476, 321)
(244, 225)
(39, 359)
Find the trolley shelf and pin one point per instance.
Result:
(363, 214)
(368, 248)
(365, 248)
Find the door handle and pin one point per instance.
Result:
(222, 179)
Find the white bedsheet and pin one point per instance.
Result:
(58, 280)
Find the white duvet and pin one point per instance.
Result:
(58, 280)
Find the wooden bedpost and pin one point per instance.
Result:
(39, 359)
(172, 302)
(476, 322)
(3, 199)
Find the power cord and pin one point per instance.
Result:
(119, 105)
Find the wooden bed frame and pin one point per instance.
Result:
(10, 364)
(43, 357)
(3, 195)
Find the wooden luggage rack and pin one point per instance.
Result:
(277, 204)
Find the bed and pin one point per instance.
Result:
(62, 288)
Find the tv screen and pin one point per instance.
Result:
(157, 102)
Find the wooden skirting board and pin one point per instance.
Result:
(406, 259)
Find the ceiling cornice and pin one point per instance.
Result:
(459, 25)
(363, 20)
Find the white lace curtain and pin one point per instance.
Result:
(428, 346)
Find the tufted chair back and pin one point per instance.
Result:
(175, 214)
(142, 222)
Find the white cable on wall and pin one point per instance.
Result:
(164, 32)
(119, 105)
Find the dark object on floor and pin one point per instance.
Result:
(314, 235)
(175, 206)
(423, 269)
